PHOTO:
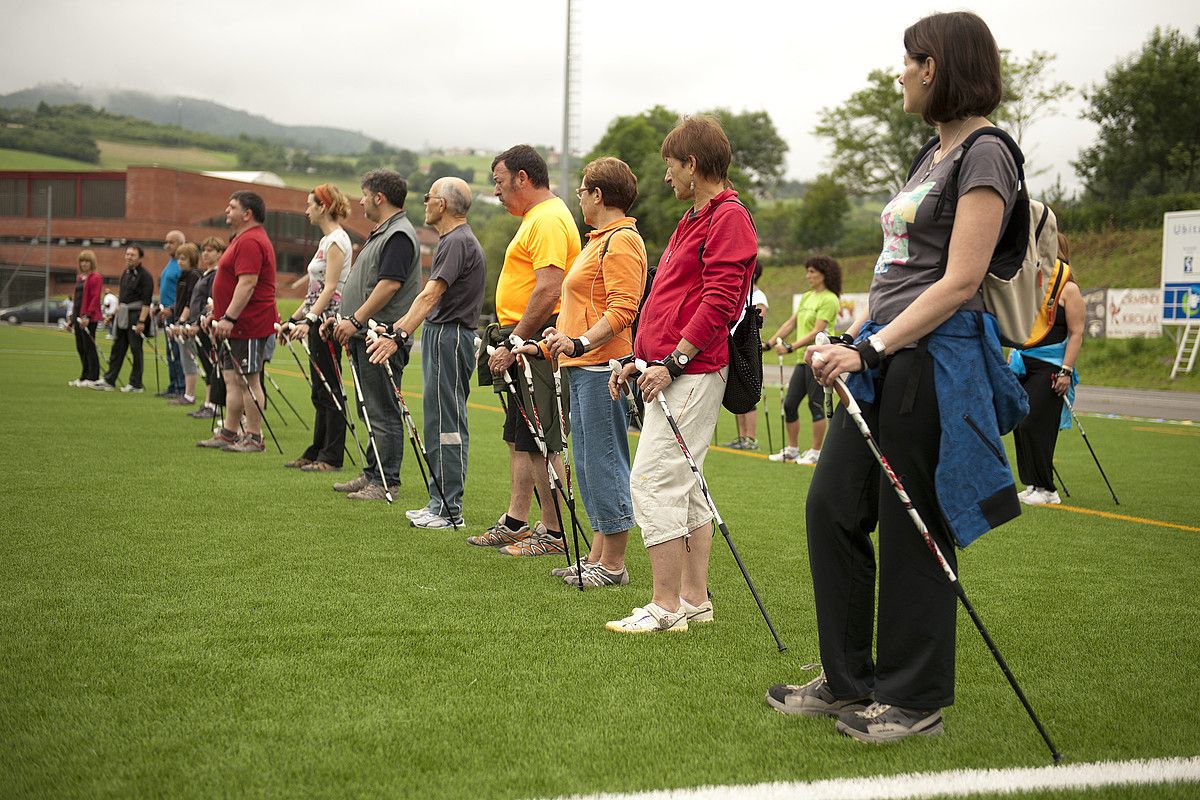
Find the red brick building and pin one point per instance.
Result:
(107, 211)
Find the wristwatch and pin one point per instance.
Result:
(354, 321)
(581, 346)
(402, 334)
(676, 363)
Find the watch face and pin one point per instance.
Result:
(682, 359)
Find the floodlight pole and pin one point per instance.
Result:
(49, 205)
(569, 78)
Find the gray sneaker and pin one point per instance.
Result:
(352, 485)
(596, 575)
(250, 443)
(879, 723)
(813, 699)
(569, 572)
(372, 491)
(435, 522)
(221, 439)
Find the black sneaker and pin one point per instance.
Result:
(879, 723)
(813, 699)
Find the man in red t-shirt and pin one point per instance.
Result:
(244, 317)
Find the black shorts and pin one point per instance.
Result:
(804, 385)
(516, 431)
(250, 354)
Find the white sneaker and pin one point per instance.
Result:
(130, 389)
(1043, 497)
(1028, 490)
(436, 522)
(101, 385)
(651, 619)
(417, 513)
(700, 613)
(786, 454)
(1030, 495)
(809, 457)
(75, 383)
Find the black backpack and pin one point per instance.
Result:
(1025, 279)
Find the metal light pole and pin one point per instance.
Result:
(49, 204)
(570, 79)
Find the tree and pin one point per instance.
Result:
(874, 141)
(1028, 94)
(758, 153)
(821, 218)
(1149, 118)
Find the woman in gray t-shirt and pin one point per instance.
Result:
(931, 267)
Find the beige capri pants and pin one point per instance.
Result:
(667, 501)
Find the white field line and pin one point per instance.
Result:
(935, 784)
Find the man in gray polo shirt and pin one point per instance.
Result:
(381, 285)
(449, 306)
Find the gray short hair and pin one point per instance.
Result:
(458, 201)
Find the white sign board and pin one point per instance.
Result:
(1133, 313)
(1181, 268)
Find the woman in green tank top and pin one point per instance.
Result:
(817, 312)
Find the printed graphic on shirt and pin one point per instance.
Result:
(897, 215)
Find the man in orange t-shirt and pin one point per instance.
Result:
(527, 302)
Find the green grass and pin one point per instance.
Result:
(188, 623)
(22, 159)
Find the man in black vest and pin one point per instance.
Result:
(381, 286)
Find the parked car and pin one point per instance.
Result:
(33, 312)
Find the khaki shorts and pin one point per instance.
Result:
(667, 501)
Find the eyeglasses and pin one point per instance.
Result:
(429, 197)
(582, 191)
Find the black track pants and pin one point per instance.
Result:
(914, 664)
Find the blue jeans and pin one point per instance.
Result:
(174, 367)
(383, 410)
(601, 444)
(447, 361)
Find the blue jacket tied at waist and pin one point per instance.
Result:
(980, 400)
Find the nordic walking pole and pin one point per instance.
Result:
(246, 382)
(362, 406)
(566, 454)
(154, 344)
(286, 330)
(782, 390)
(284, 396)
(1083, 433)
(337, 374)
(712, 506)
(555, 480)
(766, 347)
(334, 397)
(615, 365)
(411, 427)
(851, 406)
(1058, 478)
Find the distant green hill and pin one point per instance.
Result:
(191, 114)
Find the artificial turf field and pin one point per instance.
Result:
(192, 623)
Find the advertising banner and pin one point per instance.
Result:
(1181, 268)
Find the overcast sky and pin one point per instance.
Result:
(489, 73)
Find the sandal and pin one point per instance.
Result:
(319, 466)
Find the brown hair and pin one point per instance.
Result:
(1064, 249)
(830, 268)
(967, 81)
(331, 197)
(190, 252)
(614, 179)
(89, 257)
(215, 242)
(702, 138)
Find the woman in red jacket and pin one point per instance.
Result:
(87, 313)
(700, 288)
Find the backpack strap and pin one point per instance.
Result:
(916, 162)
(711, 216)
(951, 190)
(608, 239)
